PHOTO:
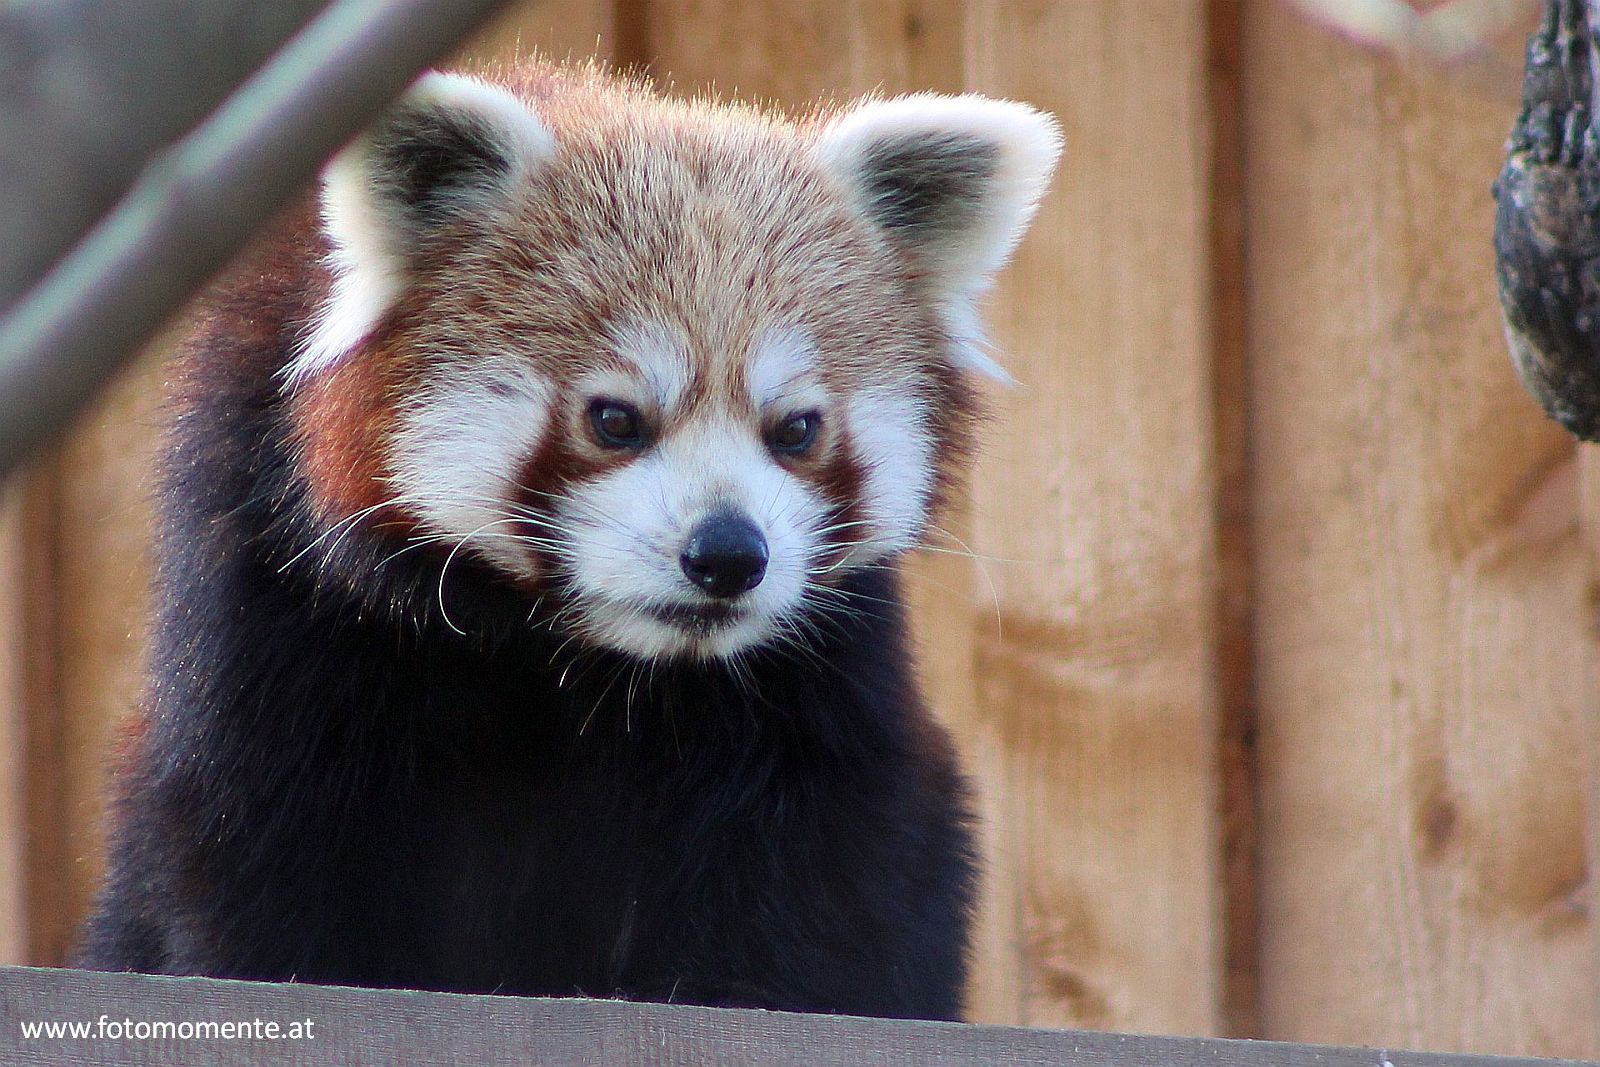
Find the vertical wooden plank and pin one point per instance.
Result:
(97, 624)
(13, 734)
(1102, 478)
(795, 52)
(1422, 660)
(1589, 491)
(33, 859)
(561, 29)
(1235, 636)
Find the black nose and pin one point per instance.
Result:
(725, 556)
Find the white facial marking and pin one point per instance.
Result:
(969, 345)
(461, 444)
(657, 354)
(895, 452)
(458, 449)
(779, 364)
(628, 529)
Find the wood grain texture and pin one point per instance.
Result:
(13, 731)
(795, 52)
(1099, 482)
(98, 622)
(571, 30)
(45, 866)
(1422, 658)
(1237, 713)
(399, 1026)
(1589, 492)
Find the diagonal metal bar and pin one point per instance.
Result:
(196, 203)
(82, 109)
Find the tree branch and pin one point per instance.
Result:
(1547, 222)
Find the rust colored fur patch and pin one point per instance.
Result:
(341, 419)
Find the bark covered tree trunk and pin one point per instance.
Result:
(1547, 222)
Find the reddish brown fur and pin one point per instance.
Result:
(342, 418)
(711, 218)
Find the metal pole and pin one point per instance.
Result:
(91, 90)
(196, 203)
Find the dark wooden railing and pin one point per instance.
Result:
(129, 1018)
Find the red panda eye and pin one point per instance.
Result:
(797, 433)
(617, 425)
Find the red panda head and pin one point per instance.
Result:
(683, 367)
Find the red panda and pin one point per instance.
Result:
(528, 611)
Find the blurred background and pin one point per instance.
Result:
(1268, 630)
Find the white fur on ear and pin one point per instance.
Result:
(953, 181)
(452, 143)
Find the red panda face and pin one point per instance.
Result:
(681, 369)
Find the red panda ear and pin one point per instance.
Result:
(451, 145)
(952, 181)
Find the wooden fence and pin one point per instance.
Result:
(1274, 666)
